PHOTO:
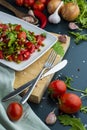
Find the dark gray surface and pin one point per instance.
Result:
(77, 59)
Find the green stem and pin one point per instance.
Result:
(77, 90)
(83, 96)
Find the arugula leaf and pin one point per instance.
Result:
(82, 19)
(72, 121)
(58, 48)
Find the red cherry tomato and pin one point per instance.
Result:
(70, 103)
(56, 88)
(43, 1)
(38, 6)
(29, 3)
(18, 27)
(14, 111)
(19, 2)
(26, 55)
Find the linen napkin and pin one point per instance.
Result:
(29, 120)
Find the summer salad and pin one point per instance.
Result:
(17, 44)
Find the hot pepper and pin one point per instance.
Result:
(41, 17)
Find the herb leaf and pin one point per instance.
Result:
(58, 48)
(78, 37)
(72, 121)
(82, 19)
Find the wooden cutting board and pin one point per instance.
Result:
(33, 70)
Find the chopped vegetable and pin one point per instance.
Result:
(17, 43)
(67, 120)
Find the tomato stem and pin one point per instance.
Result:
(68, 84)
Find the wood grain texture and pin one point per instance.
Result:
(33, 70)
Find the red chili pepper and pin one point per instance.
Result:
(41, 17)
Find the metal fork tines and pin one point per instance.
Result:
(48, 65)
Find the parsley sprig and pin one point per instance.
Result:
(79, 37)
(74, 122)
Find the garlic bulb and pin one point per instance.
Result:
(55, 18)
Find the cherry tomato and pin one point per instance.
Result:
(43, 1)
(14, 111)
(22, 35)
(20, 57)
(56, 88)
(29, 3)
(40, 39)
(26, 55)
(38, 6)
(19, 2)
(18, 27)
(70, 103)
(31, 47)
(3, 26)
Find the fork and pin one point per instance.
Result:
(48, 65)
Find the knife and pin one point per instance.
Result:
(56, 68)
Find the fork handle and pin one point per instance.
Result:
(28, 93)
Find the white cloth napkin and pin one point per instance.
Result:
(29, 120)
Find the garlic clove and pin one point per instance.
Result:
(51, 118)
(73, 26)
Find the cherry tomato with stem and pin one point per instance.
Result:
(56, 88)
(69, 103)
(38, 5)
(19, 2)
(29, 3)
(14, 111)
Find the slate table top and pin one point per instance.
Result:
(76, 69)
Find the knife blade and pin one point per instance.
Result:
(56, 68)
